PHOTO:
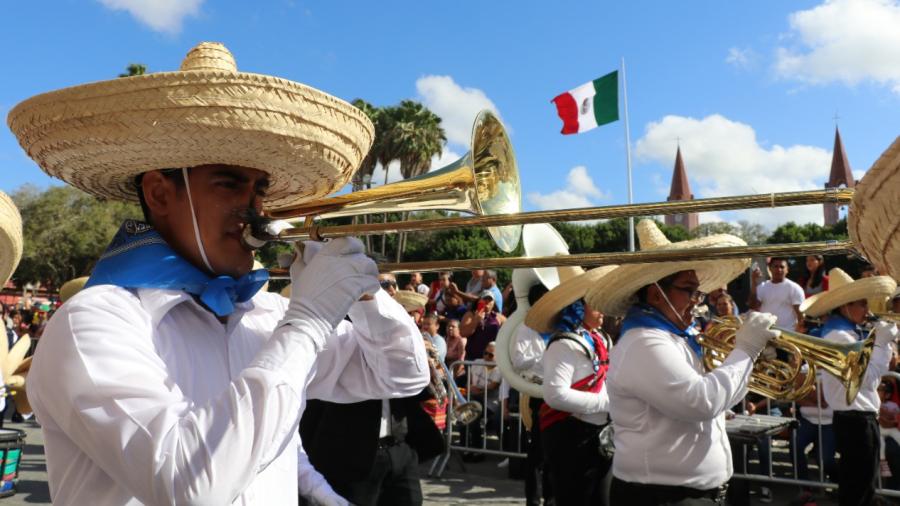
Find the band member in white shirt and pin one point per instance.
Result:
(170, 379)
(857, 437)
(576, 403)
(668, 414)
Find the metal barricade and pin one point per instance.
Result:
(465, 436)
(769, 427)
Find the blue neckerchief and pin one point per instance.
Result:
(838, 322)
(139, 258)
(570, 320)
(645, 316)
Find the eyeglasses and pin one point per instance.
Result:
(695, 295)
(388, 284)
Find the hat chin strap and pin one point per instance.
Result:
(187, 185)
(666, 298)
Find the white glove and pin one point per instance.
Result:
(325, 496)
(334, 278)
(755, 333)
(885, 333)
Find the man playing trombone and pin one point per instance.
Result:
(668, 414)
(171, 379)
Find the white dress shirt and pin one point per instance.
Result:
(668, 415)
(565, 363)
(146, 398)
(528, 350)
(867, 399)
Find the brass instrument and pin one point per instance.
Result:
(485, 182)
(464, 411)
(777, 379)
(886, 315)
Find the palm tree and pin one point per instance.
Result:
(134, 69)
(363, 175)
(418, 137)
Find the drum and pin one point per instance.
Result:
(11, 443)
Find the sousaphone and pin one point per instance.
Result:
(538, 240)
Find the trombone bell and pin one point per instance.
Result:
(485, 181)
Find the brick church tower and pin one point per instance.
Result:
(841, 175)
(681, 190)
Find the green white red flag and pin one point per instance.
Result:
(589, 105)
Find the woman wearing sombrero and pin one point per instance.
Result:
(576, 404)
(845, 307)
(170, 378)
(668, 414)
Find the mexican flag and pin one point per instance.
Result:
(589, 105)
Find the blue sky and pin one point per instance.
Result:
(751, 90)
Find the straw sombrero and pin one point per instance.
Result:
(10, 238)
(71, 287)
(842, 289)
(615, 293)
(873, 220)
(411, 301)
(574, 282)
(99, 136)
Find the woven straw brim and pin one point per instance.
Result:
(411, 301)
(873, 220)
(615, 293)
(99, 136)
(10, 238)
(867, 288)
(544, 312)
(71, 287)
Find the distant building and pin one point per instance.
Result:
(681, 190)
(841, 176)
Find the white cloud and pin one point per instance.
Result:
(580, 191)
(846, 41)
(724, 158)
(457, 106)
(741, 58)
(160, 15)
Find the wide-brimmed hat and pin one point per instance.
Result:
(873, 219)
(616, 292)
(574, 283)
(99, 136)
(411, 301)
(10, 238)
(71, 287)
(843, 289)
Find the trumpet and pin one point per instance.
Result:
(777, 379)
(464, 411)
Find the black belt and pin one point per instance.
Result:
(388, 441)
(674, 493)
(856, 413)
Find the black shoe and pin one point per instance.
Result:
(17, 418)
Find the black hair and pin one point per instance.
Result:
(172, 174)
(663, 283)
(536, 292)
(491, 273)
(817, 275)
(779, 259)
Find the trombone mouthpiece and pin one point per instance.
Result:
(259, 230)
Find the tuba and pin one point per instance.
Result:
(780, 379)
(537, 240)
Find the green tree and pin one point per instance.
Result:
(363, 176)
(134, 69)
(65, 231)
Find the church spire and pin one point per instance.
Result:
(840, 175)
(681, 190)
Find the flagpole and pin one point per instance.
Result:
(628, 157)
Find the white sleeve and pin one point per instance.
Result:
(381, 355)
(653, 369)
(99, 377)
(528, 347)
(798, 296)
(558, 378)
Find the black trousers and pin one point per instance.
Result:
(537, 479)
(857, 438)
(578, 474)
(392, 481)
(639, 494)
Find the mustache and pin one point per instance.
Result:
(252, 219)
